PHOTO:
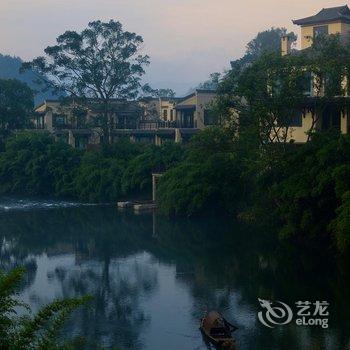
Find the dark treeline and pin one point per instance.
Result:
(305, 194)
(34, 164)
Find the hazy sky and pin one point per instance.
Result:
(186, 39)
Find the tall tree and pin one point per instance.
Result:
(212, 83)
(267, 41)
(16, 105)
(272, 88)
(101, 63)
(328, 65)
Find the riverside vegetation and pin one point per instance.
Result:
(304, 190)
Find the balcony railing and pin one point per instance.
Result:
(157, 124)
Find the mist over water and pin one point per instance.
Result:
(152, 278)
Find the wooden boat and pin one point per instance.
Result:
(218, 331)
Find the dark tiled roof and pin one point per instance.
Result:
(341, 13)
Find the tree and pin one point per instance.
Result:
(16, 105)
(35, 164)
(159, 93)
(272, 88)
(165, 93)
(212, 83)
(10, 69)
(268, 41)
(31, 333)
(98, 65)
(327, 63)
(137, 176)
(265, 95)
(201, 184)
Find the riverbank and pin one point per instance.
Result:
(302, 191)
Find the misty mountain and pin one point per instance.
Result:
(9, 69)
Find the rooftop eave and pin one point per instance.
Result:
(305, 22)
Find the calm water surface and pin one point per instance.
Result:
(152, 278)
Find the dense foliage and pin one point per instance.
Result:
(248, 166)
(137, 179)
(103, 62)
(207, 180)
(16, 105)
(38, 332)
(35, 164)
(305, 192)
(311, 196)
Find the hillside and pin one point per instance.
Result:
(9, 69)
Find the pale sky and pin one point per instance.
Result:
(186, 39)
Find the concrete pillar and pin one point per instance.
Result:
(344, 122)
(71, 139)
(48, 120)
(157, 140)
(178, 136)
(286, 44)
(155, 179)
(132, 139)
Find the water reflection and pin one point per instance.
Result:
(152, 279)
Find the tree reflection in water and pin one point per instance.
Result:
(120, 258)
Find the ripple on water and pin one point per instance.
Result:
(9, 204)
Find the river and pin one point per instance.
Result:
(153, 278)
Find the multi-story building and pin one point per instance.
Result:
(80, 125)
(194, 110)
(146, 120)
(158, 112)
(335, 20)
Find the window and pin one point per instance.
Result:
(59, 120)
(209, 117)
(171, 114)
(321, 30)
(165, 113)
(333, 84)
(296, 119)
(307, 84)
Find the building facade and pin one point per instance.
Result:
(149, 120)
(328, 21)
(194, 110)
(80, 125)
